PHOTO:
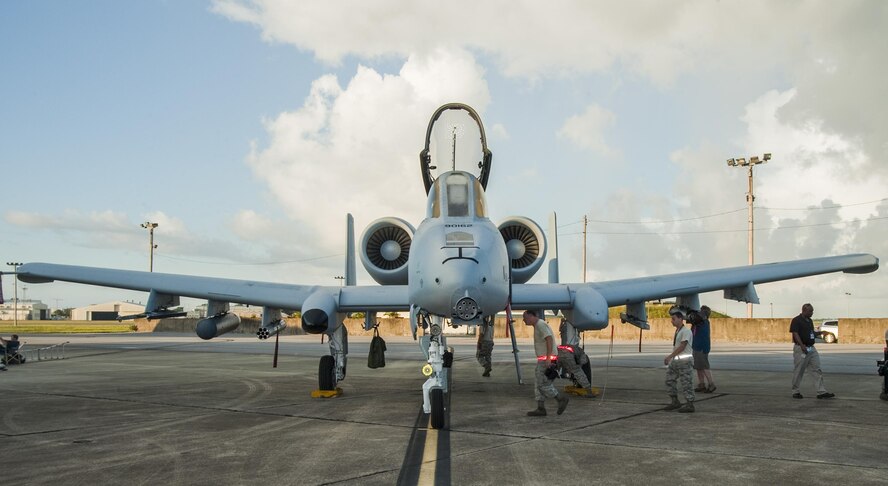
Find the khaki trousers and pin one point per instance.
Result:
(802, 362)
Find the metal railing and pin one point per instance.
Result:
(56, 351)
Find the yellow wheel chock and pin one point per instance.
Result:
(581, 392)
(326, 393)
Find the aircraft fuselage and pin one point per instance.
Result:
(459, 265)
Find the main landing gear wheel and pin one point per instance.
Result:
(327, 373)
(436, 396)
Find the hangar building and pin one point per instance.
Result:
(108, 311)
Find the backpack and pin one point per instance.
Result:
(376, 358)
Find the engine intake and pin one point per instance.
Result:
(385, 248)
(526, 244)
(319, 313)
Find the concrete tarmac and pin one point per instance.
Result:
(172, 409)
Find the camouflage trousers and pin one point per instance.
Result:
(680, 370)
(543, 387)
(485, 349)
(573, 364)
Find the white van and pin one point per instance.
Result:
(829, 331)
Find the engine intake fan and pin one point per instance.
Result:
(385, 248)
(526, 244)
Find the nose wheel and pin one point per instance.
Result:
(436, 397)
(436, 388)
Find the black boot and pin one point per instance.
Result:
(687, 408)
(562, 402)
(675, 403)
(539, 412)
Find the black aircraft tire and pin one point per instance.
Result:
(436, 397)
(327, 373)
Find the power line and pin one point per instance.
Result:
(660, 233)
(679, 220)
(837, 206)
(668, 220)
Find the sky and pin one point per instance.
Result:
(248, 129)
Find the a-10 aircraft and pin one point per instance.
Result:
(456, 266)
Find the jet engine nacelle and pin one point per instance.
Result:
(385, 246)
(589, 310)
(319, 313)
(526, 244)
(217, 325)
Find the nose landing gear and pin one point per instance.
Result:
(436, 389)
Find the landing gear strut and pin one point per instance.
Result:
(331, 369)
(440, 359)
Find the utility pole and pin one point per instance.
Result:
(585, 222)
(15, 312)
(151, 246)
(750, 200)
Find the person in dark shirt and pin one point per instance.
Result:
(700, 328)
(10, 346)
(804, 355)
(8, 350)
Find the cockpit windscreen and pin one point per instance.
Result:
(455, 144)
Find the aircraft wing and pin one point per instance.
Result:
(737, 282)
(274, 295)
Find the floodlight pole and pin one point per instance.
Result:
(750, 200)
(151, 246)
(585, 222)
(15, 298)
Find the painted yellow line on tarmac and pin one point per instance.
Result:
(429, 456)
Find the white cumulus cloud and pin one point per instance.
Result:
(356, 148)
(587, 130)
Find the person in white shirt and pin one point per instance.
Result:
(544, 347)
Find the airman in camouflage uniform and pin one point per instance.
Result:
(680, 365)
(485, 345)
(572, 357)
(544, 347)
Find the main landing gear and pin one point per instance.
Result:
(331, 369)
